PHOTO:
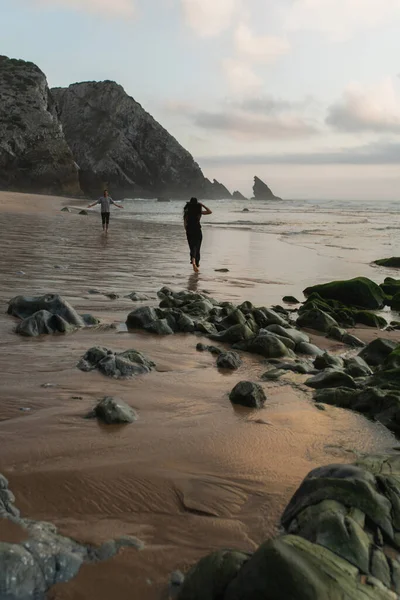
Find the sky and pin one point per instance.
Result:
(303, 93)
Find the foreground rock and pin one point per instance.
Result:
(248, 394)
(262, 192)
(340, 541)
(45, 558)
(114, 411)
(34, 154)
(114, 139)
(229, 360)
(46, 314)
(120, 365)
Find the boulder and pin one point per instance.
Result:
(211, 576)
(267, 345)
(114, 411)
(118, 365)
(395, 302)
(142, 317)
(272, 317)
(290, 300)
(365, 317)
(338, 396)
(34, 154)
(235, 334)
(43, 322)
(308, 349)
(331, 378)
(316, 319)
(229, 360)
(293, 334)
(357, 367)
(326, 361)
(336, 333)
(393, 262)
(376, 352)
(248, 394)
(360, 292)
(159, 327)
(352, 340)
(25, 306)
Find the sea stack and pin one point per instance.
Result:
(34, 155)
(262, 191)
(238, 196)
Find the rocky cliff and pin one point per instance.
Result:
(262, 191)
(34, 155)
(119, 145)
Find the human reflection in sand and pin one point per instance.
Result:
(193, 283)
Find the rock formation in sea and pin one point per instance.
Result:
(34, 155)
(217, 190)
(238, 196)
(262, 191)
(119, 145)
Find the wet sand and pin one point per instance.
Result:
(193, 474)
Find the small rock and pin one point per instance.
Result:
(229, 360)
(76, 397)
(331, 378)
(83, 212)
(273, 375)
(290, 300)
(221, 270)
(137, 297)
(248, 394)
(94, 292)
(65, 209)
(49, 385)
(308, 349)
(20, 273)
(320, 406)
(25, 409)
(114, 411)
(112, 296)
(176, 578)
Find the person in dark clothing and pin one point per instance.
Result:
(192, 214)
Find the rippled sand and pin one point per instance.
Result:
(193, 474)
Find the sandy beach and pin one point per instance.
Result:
(193, 474)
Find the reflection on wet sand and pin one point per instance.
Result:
(193, 473)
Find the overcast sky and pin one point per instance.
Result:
(303, 93)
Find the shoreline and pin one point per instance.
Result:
(192, 475)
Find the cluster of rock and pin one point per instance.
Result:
(269, 332)
(28, 569)
(46, 315)
(119, 365)
(340, 540)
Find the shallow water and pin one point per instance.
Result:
(193, 474)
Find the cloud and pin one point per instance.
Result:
(117, 8)
(381, 153)
(237, 123)
(255, 48)
(267, 104)
(240, 77)
(209, 17)
(340, 18)
(361, 109)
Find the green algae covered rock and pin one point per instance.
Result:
(393, 262)
(360, 292)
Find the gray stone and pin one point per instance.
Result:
(291, 333)
(353, 341)
(377, 351)
(43, 322)
(331, 378)
(273, 318)
(229, 360)
(159, 327)
(326, 361)
(267, 345)
(234, 334)
(122, 365)
(114, 411)
(248, 394)
(209, 579)
(336, 333)
(272, 375)
(316, 319)
(137, 297)
(357, 367)
(185, 324)
(142, 317)
(308, 349)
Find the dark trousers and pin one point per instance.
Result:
(105, 218)
(194, 238)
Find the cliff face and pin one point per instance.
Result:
(262, 191)
(119, 145)
(34, 155)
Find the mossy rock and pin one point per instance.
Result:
(393, 360)
(364, 317)
(359, 292)
(390, 286)
(393, 262)
(394, 303)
